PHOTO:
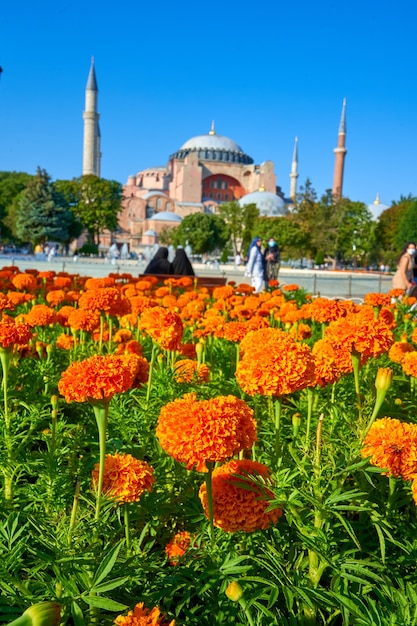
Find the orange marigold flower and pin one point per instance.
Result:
(413, 335)
(41, 315)
(144, 285)
(96, 378)
(6, 304)
(241, 497)
(63, 314)
(130, 347)
(139, 367)
(122, 335)
(323, 310)
(299, 332)
(141, 616)
(55, 297)
(62, 282)
(64, 342)
(165, 327)
(290, 287)
(99, 283)
(161, 292)
(392, 445)
(12, 333)
(377, 299)
(24, 282)
(211, 430)
(398, 351)
(396, 293)
(327, 361)
(223, 293)
(188, 371)
(83, 319)
(125, 478)
(356, 333)
(106, 299)
(409, 363)
(19, 298)
(290, 364)
(178, 546)
(140, 303)
(235, 331)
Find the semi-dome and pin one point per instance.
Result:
(269, 204)
(213, 147)
(166, 216)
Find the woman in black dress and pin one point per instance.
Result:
(160, 263)
(181, 266)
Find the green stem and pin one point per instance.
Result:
(151, 366)
(310, 399)
(209, 490)
(5, 359)
(101, 412)
(244, 606)
(126, 520)
(75, 503)
(356, 362)
(278, 430)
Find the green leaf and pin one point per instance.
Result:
(101, 602)
(111, 584)
(77, 614)
(106, 564)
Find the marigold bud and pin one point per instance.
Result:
(40, 614)
(383, 379)
(296, 423)
(234, 591)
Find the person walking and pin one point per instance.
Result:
(272, 257)
(404, 276)
(256, 264)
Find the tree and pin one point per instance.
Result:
(11, 185)
(204, 233)
(240, 220)
(388, 237)
(95, 201)
(42, 212)
(287, 232)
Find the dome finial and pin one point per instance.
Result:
(212, 131)
(262, 187)
(377, 201)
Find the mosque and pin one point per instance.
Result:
(205, 171)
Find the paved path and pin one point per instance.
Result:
(331, 284)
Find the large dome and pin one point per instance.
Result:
(269, 204)
(216, 142)
(213, 147)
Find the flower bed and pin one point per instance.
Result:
(181, 455)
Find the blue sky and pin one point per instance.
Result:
(265, 71)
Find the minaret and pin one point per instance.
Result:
(340, 153)
(91, 148)
(294, 172)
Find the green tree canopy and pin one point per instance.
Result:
(42, 212)
(95, 202)
(11, 185)
(240, 220)
(203, 231)
(288, 233)
(389, 240)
